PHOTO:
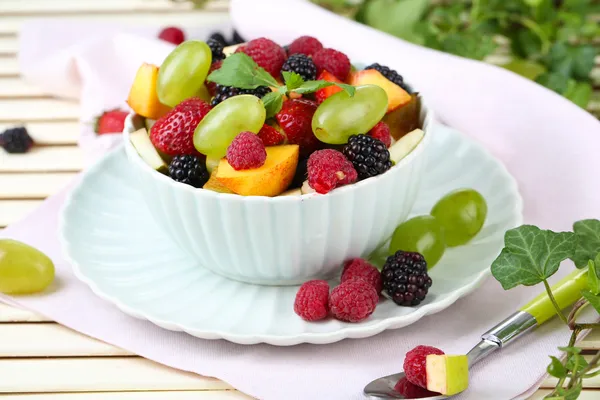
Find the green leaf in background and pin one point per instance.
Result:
(579, 93)
(239, 70)
(292, 80)
(273, 102)
(556, 368)
(588, 244)
(593, 280)
(531, 255)
(396, 17)
(554, 81)
(592, 298)
(526, 68)
(569, 60)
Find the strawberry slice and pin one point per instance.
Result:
(324, 93)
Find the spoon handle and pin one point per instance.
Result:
(532, 314)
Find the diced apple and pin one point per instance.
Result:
(229, 50)
(141, 141)
(405, 145)
(271, 179)
(397, 97)
(142, 95)
(404, 119)
(292, 192)
(447, 374)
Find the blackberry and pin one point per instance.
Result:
(301, 174)
(237, 38)
(16, 140)
(405, 278)
(301, 64)
(189, 169)
(391, 75)
(216, 49)
(369, 156)
(225, 92)
(218, 36)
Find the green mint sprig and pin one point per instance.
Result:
(239, 70)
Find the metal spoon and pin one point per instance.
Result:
(533, 314)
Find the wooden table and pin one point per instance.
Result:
(39, 359)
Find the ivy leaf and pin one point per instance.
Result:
(239, 70)
(531, 255)
(593, 281)
(273, 102)
(576, 358)
(396, 17)
(588, 245)
(292, 80)
(592, 298)
(556, 368)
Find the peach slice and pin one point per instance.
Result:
(142, 95)
(397, 97)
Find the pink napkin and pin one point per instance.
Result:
(547, 143)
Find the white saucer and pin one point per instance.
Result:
(116, 249)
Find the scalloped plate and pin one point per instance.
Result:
(117, 250)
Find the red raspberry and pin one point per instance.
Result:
(333, 61)
(312, 299)
(172, 35)
(306, 45)
(295, 120)
(173, 133)
(415, 363)
(362, 269)
(353, 300)
(270, 136)
(246, 151)
(266, 53)
(381, 131)
(212, 86)
(111, 121)
(328, 169)
(410, 391)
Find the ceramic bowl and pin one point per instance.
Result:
(282, 240)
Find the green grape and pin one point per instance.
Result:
(183, 72)
(462, 214)
(23, 269)
(341, 116)
(422, 234)
(224, 122)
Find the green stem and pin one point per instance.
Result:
(593, 362)
(554, 303)
(591, 374)
(581, 303)
(561, 381)
(588, 326)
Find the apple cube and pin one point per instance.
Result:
(447, 374)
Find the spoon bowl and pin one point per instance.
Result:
(385, 388)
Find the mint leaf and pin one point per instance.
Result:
(588, 245)
(313, 86)
(593, 281)
(592, 298)
(292, 80)
(531, 255)
(239, 70)
(273, 102)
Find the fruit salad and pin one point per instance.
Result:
(260, 119)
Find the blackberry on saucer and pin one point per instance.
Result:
(225, 92)
(16, 140)
(405, 278)
(216, 49)
(301, 64)
(189, 169)
(391, 75)
(218, 36)
(369, 156)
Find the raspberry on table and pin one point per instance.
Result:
(270, 136)
(246, 151)
(216, 48)
(382, 132)
(405, 278)
(415, 364)
(353, 300)
(412, 391)
(302, 65)
(225, 92)
(328, 169)
(333, 61)
(312, 300)
(359, 268)
(173, 133)
(189, 169)
(369, 156)
(266, 53)
(16, 140)
(172, 34)
(391, 75)
(305, 45)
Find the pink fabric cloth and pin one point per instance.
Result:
(546, 142)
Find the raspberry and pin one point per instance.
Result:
(382, 132)
(246, 151)
(302, 65)
(369, 156)
(270, 136)
(16, 140)
(312, 300)
(362, 269)
(188, 169)
(405, 278)
(305, 45)
(172, 35)
(216, 48)
(328, 169)
(295, 120)
(173, 133)
(415, 362)
(210, 85)
(411, 391)
(266, 53)
(333, 61)
(353, 300)
(110, 121)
